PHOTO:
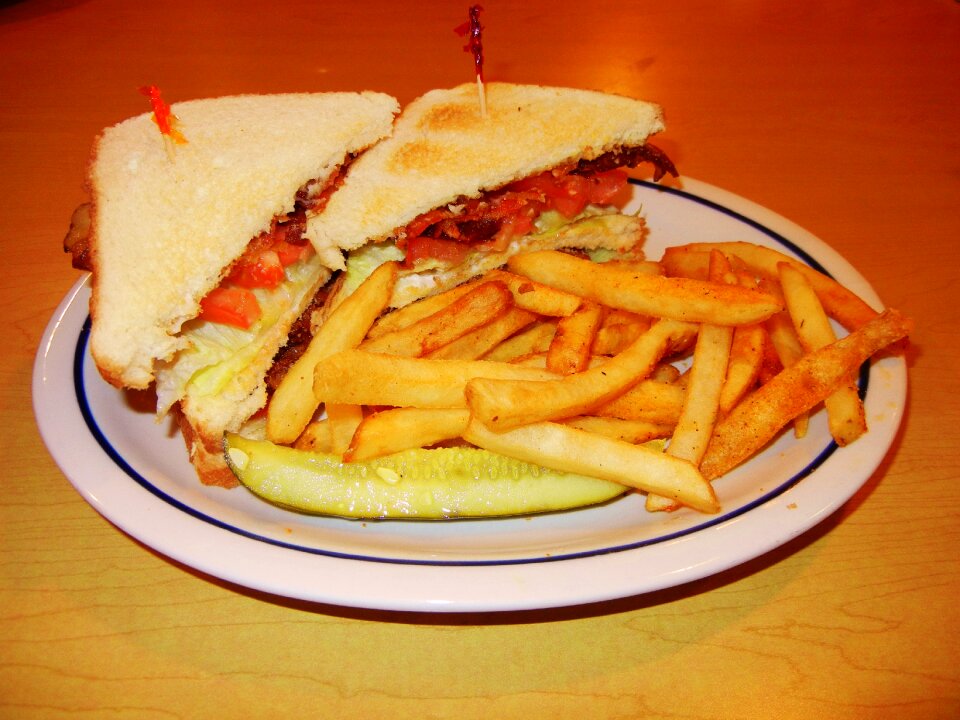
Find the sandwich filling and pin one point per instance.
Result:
(572, 206)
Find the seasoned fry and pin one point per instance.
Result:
(315, 437)
(650, 400)
(478, 343)
(665, 297)
(483, 304)
(763, 413)
(706, 379)
(415, 311)
(537, 297)
(743, 368)
(342, 421)
(845, 306)
(293, 403)
(845, 415)
(502, 404)
(615, 337)
(397, 429)
(365, 378)
(569, 351)
(631, 431)
(535, 339)
(565, 448)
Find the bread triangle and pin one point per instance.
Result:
(443, 150)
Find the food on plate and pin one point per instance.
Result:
(594, 420)
(196, 248)
(452, 194)
(415, 484)
(809, 381)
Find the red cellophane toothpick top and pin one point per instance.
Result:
(165, 120)
(473, 30)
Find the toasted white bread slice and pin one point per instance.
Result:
(442, 150)
(166, 225)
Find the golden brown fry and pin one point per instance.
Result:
(478, 343)
(571, 450)
(763, 413)
(293, 403)
(743, 369)
(685, 262)
(657, 402)
(673, 298)
(502, 404)
(617, 337)
(706, 379)
(845, 414)
(315, 437)
(343, 421)
(535, 339)
(365, 378)
(537, 297)
(397, 429)
(415, 311)
(483, 304)
(569, 351)
(840, 302)
(631, 431)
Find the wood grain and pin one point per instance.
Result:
(841, 116)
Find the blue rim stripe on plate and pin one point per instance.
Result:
(93, 426)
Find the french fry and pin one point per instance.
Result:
(743, 368)
(418, 310)
(707, 375)
(535, 339)
(684, 262)
(631, 431)
(568, 449)
(397, 429)
(656, 402)
(364, 378)
(614, 337)
(293, 403)
(501, 404)
(478, 343)
(845, 306)
(643, 267)
(569, 351)
(315, 437)
(679, 299)
(342, 421)
(665, 373)
(483, 304)
(845, 415)
(537, 297)
(763, 413)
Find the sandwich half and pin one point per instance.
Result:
(197, 251)
(454, 192)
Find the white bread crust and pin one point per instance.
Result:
(442, 150)
(166, 227)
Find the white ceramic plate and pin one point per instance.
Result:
(136, 474)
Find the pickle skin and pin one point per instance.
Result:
(422, 484)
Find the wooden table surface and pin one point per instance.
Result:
(842, 116)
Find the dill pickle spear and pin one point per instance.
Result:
(458, 482)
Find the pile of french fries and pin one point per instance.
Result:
(575, 366)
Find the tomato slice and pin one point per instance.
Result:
(290, 253)
(262, 271)
(235, 306)
(603, 187)
(421, 248)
